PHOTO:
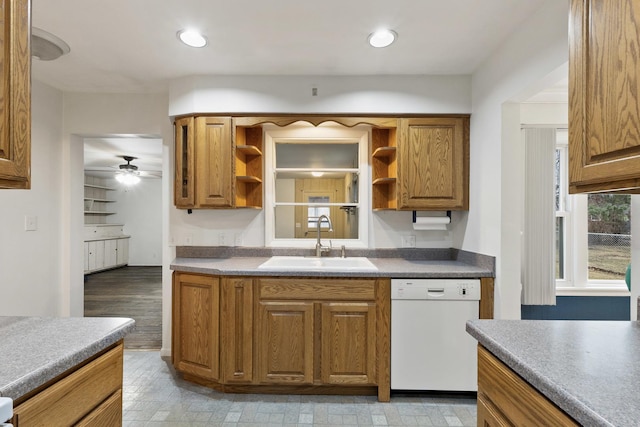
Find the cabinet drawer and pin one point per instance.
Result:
(317, 289)
(69, 400)
(502, 390)
(109, 413)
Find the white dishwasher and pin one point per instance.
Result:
(430, 348)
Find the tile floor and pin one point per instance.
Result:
(155, 396)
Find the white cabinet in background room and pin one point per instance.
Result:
(105, 247)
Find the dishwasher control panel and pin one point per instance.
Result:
(435, 289)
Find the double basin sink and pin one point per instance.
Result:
(302, 263)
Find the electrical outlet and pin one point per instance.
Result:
(409, 241)
(238, 239)
(188, 239)
(222, 239)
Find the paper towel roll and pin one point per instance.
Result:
(431, 223)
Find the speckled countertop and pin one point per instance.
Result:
(590, 369)
(414, 263)
(34, 350)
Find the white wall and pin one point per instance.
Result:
(139, 208)
(292, 94)
(30, 261)
(336, 94)
(538, 48)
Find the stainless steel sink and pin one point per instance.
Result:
(300, 263)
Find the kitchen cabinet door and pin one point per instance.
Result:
(214, 162)
(237, 329)
(95, 258)
(184, 184)
(15, 100)
(196, 325)
(604, 101)
(348, 343)
(86, 256)
(433, 170)
(110, 253)
(122, 251)
(285, 335)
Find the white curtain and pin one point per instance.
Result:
(538, 276)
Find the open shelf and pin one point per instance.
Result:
(382, 152)
(384, 168)
(249, 150)
(99, 200)
(384, 181)
(98, 213)
(100, 187)
(245, 178)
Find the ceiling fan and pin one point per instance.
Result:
(126, 173)
(129, 174)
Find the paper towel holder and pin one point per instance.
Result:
(415, 215)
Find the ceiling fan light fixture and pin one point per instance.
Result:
(192, 38)
(382, 38)
(128, 174)
(128, 178)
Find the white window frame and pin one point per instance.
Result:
(576, 281)
(323, 133)
(565, 212)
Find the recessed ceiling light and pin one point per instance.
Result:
(192, 38)
(382, 38)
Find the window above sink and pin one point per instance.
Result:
(312, 171)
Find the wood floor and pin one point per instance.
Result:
(134, 292)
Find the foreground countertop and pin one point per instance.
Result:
(387, 267)
(590, 369)
(34, 350)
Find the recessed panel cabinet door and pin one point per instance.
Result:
(15, 94)
(348, 343)
(214, 162)
(604, 95)
(184, 186)
(433, 172)
(285, 342)
(196, 305)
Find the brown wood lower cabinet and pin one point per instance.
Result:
(348, 343)
(284, 342)
(88, 396)
(283, 334)
(196, 318)
(505, 399)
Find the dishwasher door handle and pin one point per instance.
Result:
(435, 292)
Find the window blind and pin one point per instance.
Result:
(538, 276)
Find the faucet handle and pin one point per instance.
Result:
(343, 252)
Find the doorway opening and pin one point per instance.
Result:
(122, 233)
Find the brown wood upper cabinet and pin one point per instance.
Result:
(422, 164)
(15, 100)
(604, 99)
(433, 172)
(419, 163)
(218, 163)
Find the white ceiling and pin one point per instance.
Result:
(102, 156)
(131, 45)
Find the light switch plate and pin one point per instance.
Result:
(30, 223)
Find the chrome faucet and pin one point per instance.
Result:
(319, 247)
